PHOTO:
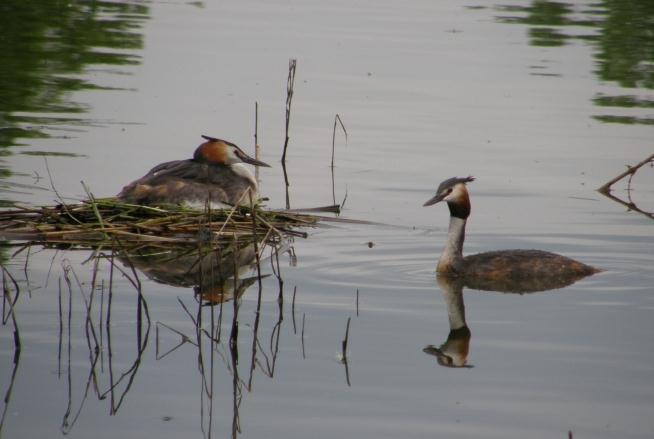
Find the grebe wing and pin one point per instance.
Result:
(175, 168)
(522, 271)
(161, 173)
(187, 181)
(231, 179)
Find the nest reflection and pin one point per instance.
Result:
(97, 359)
(216, 274)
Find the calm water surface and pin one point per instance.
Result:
(542, 102)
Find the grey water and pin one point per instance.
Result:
(543, 102)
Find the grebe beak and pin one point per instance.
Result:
(247, 159)
(435, 199)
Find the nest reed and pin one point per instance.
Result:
(109, 222)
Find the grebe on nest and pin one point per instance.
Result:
(483, 269)
(214, 174)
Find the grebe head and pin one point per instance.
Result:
(220, 152)
(454, 192)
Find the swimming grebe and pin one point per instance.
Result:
(491, 267)
(214, 174)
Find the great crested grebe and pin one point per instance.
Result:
(488, 268)
(215, 174)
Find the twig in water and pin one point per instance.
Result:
(183, 340)
(6, 296)
(303, 320)
(606, 188)
(631, 171)
(347, 336)
(357, 307)
(289, 98)
(257, 148)
(61, 332)
(337, 118)
(16, 361)
(259, 293)
(293, 309)
(344, 200)
(344, 347)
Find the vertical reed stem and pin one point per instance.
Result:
(289, 98)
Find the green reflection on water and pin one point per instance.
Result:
(627, 120)
(546, 20)
(46, 47)
(621, 32)
(4, 252)
(547, 36)
(626, 46)
(625, 101)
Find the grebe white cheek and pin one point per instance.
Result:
(499, 266)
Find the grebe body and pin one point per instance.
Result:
(215, 174)
(495, 267)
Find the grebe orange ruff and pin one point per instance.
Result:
(214, 174)
(490, 267)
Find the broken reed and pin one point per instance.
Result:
(106, 221)
(292, 63)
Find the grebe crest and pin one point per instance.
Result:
(215, 174)
(504, 270)
(221, 152)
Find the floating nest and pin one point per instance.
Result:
(109, 223)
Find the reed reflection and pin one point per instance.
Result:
(99, 359)
(10, 288)
(220, 277)
(104, 379)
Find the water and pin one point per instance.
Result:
(542, 102)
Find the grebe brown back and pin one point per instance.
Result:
(214, 174)
(496, 266)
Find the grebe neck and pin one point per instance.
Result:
(451, 260)
(452, 290)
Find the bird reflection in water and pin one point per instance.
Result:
(217, 274)
(454, 351)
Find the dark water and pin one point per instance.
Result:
(543, 102)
